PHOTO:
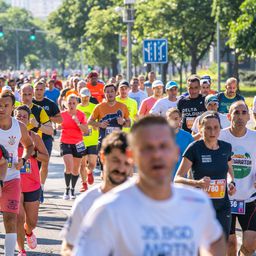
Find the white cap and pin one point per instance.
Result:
(85, 92)
(157, 83)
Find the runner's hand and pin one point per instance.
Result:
(231, 189)
(120, 120)
(19, 164)
(34, 122)
(204, 182)
(104, 124)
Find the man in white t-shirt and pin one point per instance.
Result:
(243, 203)
(135, 93)
(162, 105)
(151, 216)
(116, 167)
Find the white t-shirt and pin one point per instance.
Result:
(127, 222)
(162, 105)
(80, 208)
(224, 122)
(138, 96)
(243, 162)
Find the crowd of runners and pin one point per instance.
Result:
(199, 139)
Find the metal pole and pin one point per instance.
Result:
(129, 51)
(119, 53)
(218, 55)
(82, 56)
(17, 51)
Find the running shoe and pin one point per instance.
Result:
(66, 195)
(84, 187)
(22, 253)
(31, 241)
(72, 196)
(90, 178)
(41, 197)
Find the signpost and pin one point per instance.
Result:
(155, 51)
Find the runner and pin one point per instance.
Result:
(12, 132)
(142, 83)
(210, 163)
(135, 93)
(151, 217)
(211, 103)
(109, 115)
(229, 96)
(89, 161)
(130, 103)
(205, 83)
(243, 203)
(72, 147)
(149, 82)
(192, 105)
(182, 138)
(51, 92)
(30, 186)
(95, 86)
(162, 105)
(53, 112)
(39, 120)
(148, 103)
(116, 168)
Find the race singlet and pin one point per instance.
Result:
(216, 189)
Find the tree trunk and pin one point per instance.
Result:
(235, 70)
(114, 65)
(164, 68)
(194, 62)
(181, 78)
(149, 68)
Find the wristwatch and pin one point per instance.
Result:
(23, 160)
(1, 183)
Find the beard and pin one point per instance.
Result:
(114, 181)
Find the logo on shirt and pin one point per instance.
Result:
(12, 140)
(206, 158)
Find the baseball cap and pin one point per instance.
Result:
(124, 83)
(210, 98)
(85, 92)
(203, 81)
(170, 85)
(6, 88)
(157, 83)
(206, 77)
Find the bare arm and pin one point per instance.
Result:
(66, 249)
(47, 128)
(97, 124)
(56, 119)
(3, 168)
(196, 136)
(42, 153)
(218, 248)
(184, 167)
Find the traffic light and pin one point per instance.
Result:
(32, 36)
(1, 31)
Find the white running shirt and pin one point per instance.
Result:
(127, 222)
(10, 139)
(162, 105)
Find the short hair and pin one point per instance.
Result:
(7, 94)
(231, 80)
(150, 120)
(114, 140)
(134, 78)
(72, 96)
(173, 110)
(237, 103)
(193, 78)
(40, 82)
(24, 108)
(110, 85)
(208, 115)
(26, 85)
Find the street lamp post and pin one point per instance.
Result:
(128, 18)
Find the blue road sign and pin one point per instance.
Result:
(155, 50)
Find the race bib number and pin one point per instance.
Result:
(111, 129)
(89, 133)
(10, 160)
(216, 189)
(80, 147)
(189, 122)
(237, 207)
(26, 168)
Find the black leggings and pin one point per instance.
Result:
(224, 218)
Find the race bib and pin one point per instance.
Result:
(216, 189)
(111, 129)
(26, 168)
(189, 122)
(80, 147)
(10, 160)
(89, 133)
(237, 207)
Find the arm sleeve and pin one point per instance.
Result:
(96, 227)
(143, 108)
(55, 109)
(190, 152)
